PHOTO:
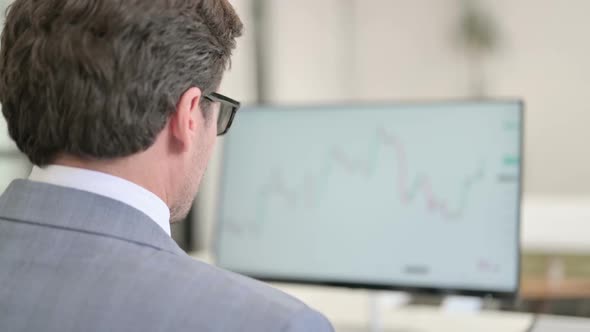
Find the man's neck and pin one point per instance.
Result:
(132, 169)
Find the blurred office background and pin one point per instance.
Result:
(335, 51)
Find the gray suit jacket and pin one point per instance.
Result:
(74, 261)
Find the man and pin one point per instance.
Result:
(115, 103)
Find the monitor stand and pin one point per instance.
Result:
(380, 302)
(462, 304)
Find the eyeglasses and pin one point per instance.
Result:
(227, 111)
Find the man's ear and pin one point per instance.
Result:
(184, 122)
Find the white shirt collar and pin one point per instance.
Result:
(109, 186)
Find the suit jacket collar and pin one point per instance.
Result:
(75, 210)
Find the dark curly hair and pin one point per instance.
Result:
(99, 79)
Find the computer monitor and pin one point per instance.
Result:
(419, 196)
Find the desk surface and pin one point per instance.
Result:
(561, 324)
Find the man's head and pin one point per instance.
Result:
(117, 82)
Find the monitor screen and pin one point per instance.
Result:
(420, 196)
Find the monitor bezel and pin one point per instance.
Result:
(434, 291)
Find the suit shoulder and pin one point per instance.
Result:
(194, 271)
(247, 301)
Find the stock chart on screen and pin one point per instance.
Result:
(409, 195)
